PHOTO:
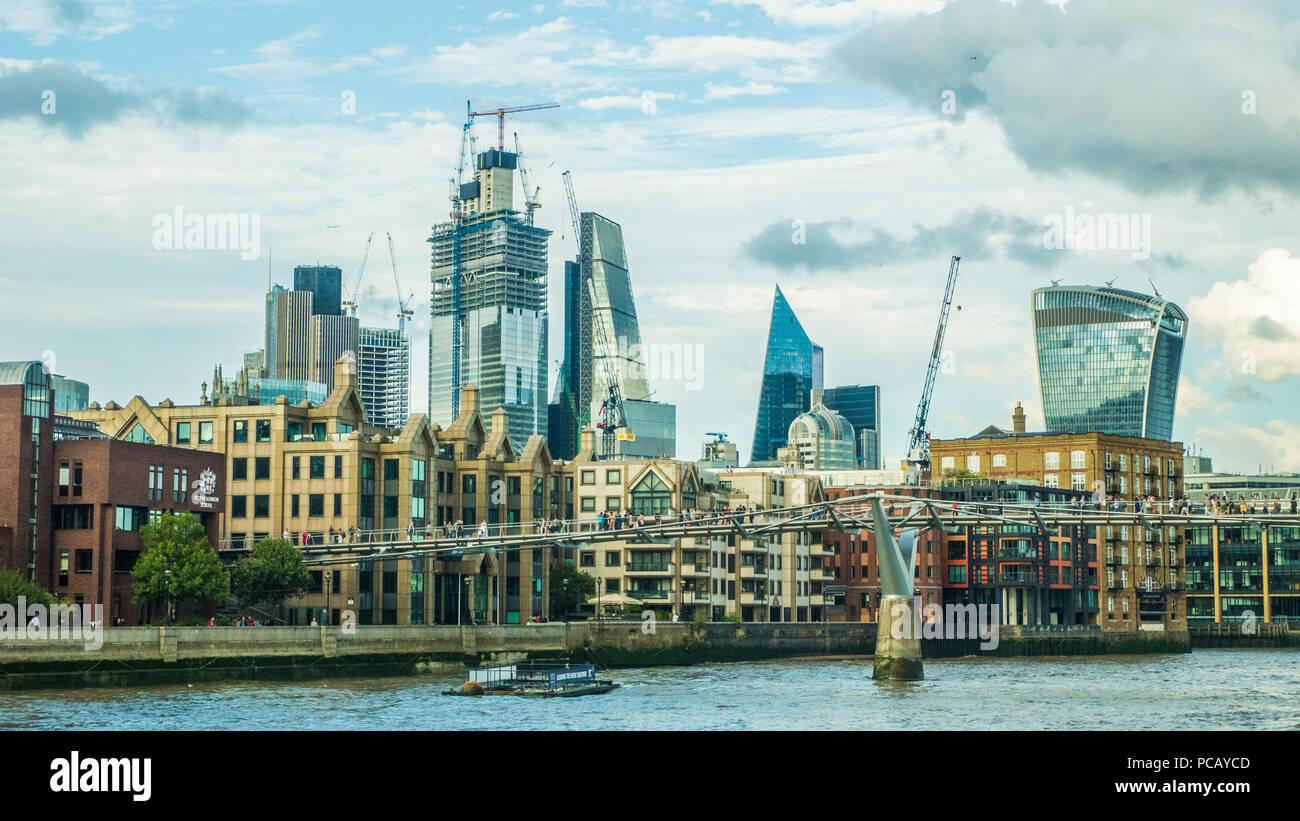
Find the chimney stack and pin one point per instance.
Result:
(1018, 419)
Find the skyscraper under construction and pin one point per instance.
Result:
(489, 316)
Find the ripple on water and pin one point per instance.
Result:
(1208, 689)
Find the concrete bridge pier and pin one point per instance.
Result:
(898, 643)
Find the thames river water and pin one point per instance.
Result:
(1203, 690)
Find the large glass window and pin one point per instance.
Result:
(651, 496)
(240, 434)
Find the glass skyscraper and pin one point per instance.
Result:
(489, 320)
(860, 404)
(1108, 360)
(384, 376)
(792, 370)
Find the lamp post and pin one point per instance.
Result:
(329, 574)
(167, 616)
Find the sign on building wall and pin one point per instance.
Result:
(205, 490)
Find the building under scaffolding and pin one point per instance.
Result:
(489, 315)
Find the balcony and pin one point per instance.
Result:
(655, 595)
(753, 598)
(649, 568)
(695, 570)
(747, 572)
(822, 574)
(693, 597)
(816, 600)
(1019, 576)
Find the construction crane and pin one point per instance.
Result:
(404, 311)
(918, 445)
(532, 201)
(354, 293)
(501, 113)
(611, 421)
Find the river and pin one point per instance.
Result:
(1206, 689)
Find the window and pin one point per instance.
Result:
(263, 430)
(999, 460)
(316, 505)
(587, 558)
(973, 463)
(338, 504)
(262, 467)
(182, 433)
(588, 503)
(318, 431)
(241, 431)
(238, 507)
(317, 467)
(338, 467)
(612, 503)
(1050, 480)
(297, 470)
(611, 477)
(1078, 481)
(946, 463)
(651, 496)
(205, 433)
(239, 468)
(293, 505)
(139, 434)
(293, 432)
(611, 558)
(467, 483)
(74, 517)
(390, 470)
(1052, 461)
(180, 483)
(131, 518)
(85, 561)
(261, 506)
(1077, 459)
(70, 479)
(589, 477)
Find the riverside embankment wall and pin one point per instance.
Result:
(186, 655)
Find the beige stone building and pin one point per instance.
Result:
(319, 472)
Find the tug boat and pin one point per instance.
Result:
(534, 679)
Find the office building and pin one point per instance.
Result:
(488, 313)
(384, 376)
(288, 333)
(1108, 360)
(821, 439)
(792, 370)
(69, 394)
(860, 404)
(72, 501)
(325, 282)
(588, 366)
(1144, 588)
(719, 453)
(332, 336)
(319, 470)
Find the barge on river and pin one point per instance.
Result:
(542, 680)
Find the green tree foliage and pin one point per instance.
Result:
(270, 573)
(13, 585)
(570, 588)
(178, 566)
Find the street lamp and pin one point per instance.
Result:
(329, 575)
(167, 617)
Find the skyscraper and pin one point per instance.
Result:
(332, 335)
(1108, 360)
(860, 405)
(488, 314)
(288, 333)
(326, 285)
(792, 369)
(587, 365)
(384, 376)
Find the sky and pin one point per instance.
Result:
(843, 149)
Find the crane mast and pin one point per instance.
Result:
(351, 298)
(918, 445)
(404, 311)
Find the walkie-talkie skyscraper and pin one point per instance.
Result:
(1108, 360)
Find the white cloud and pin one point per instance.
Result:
(1192, 398)
(501, 14)
(835, 12)
(1255, 320)
(579, 4)
(722, 92)
(625, 100)
(1245, 448)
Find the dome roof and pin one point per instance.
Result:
(824, 422)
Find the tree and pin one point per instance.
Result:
(270, 573)
(177, 565)
(13, 585)
(570, 587)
